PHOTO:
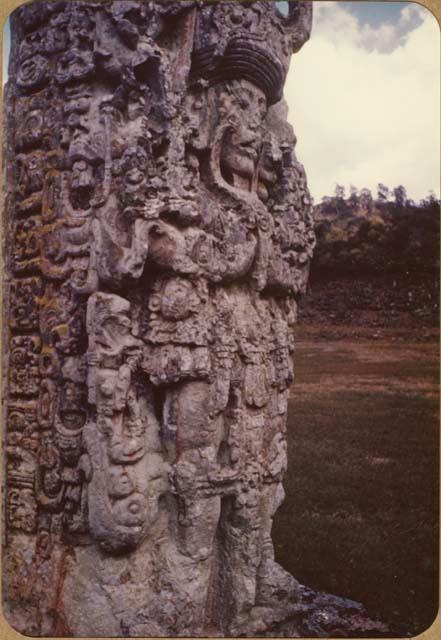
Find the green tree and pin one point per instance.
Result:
(400, 195)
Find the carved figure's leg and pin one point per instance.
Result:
(197, 440)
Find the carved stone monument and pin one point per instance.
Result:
(157, 234)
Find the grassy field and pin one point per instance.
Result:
(360, 518)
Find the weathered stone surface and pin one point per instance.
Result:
(158, 234)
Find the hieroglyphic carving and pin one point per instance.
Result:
(21, 448)
(24, 371)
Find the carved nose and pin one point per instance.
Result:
(102, 54)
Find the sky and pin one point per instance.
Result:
(364, 97)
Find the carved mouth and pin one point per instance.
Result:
(72, 423)
(249, 150)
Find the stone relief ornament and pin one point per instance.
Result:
(158, 234)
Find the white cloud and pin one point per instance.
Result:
(387, 37)
(364, 102)
(337, 24)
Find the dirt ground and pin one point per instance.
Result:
(360, 517)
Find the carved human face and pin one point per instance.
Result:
(75, 65)
(115, 334)
(72, 402)
(126, 447)
(82, 184)
(246, 108)
(177, 299)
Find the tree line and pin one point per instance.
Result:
(388, 235)
(364, 197)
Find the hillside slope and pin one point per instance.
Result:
(376, 265)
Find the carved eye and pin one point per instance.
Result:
(236, 18)
(155, 302)
(123, 330)
(282, 8)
